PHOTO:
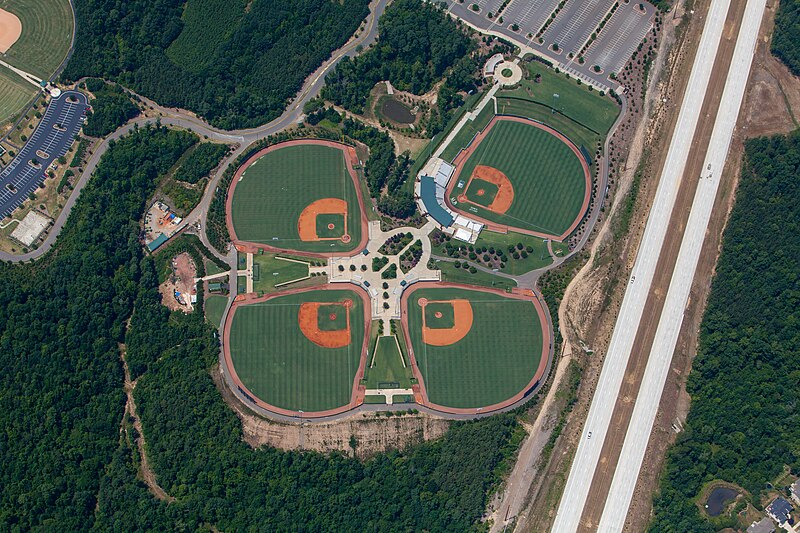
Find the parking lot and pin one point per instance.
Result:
(570, 30)
(620, 37)
(61, 123)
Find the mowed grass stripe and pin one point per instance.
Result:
(496, 360)
(547, 177)
(46, 35)
(275, 189)
(281, 366)
(15, 94)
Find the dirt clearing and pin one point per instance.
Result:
(179, 291)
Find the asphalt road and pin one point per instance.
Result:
(669, 325)
(53, 136)
(616, 360)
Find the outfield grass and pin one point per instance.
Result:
(281, 366)
(275, 189)
(388, 366)
(214, 306)
(577, 102)
(547, 177)
(274, 271)
(497, 358)
(46, 35)
(15, 94)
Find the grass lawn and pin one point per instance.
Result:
(387, 368)
(575, 101)
(15, 94)
(468, 132)
(214, 307)
(483, 279)
(212, 268)
(273, 271)
(439, 315)
(275, 189)
(275, 360)
(547, 177)
(46, 35)
(538, 258)
(496, 359)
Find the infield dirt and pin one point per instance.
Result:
(10, 30)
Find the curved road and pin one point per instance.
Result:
(189, 121)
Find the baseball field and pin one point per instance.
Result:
(46, 35)
(473, 348)
(523, 176)
(299, 195)
(299, 351)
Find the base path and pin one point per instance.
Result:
(421, 394)
(357, 395)
(464, 155)
(351, 160)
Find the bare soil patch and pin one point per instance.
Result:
(505, 190)
(178, 291)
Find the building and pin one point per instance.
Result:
(780, 510)
(765, 525)
(31, 228)
(796, 491)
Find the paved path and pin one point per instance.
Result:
(187, 120)
(30, 78)
(619, 350)
(669, 325)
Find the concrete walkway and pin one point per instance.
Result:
(30, 78)
(389, 393)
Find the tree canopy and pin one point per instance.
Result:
(68, 466)
(744, 425)
(236, 63)
(786, 38)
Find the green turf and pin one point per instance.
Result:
(483, 279)
(15, 94)
(212, 268)
(466, 134)
(577, 133)
(446, 321)
(489, 192)
(546, 175)
(281, 366)
(274, 271)
(214, 307)
(46, 35)
(575, 101)
(274, 191)
(387, 367)
(496, 359)
(338, 321)
(324, 231)
(538, 258)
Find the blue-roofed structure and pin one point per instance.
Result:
(153, 245)
(432, 206)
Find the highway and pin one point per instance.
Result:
(53, 136)
(669, 325)
(638, 288)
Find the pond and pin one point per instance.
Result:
(396, 111)
(718, 499)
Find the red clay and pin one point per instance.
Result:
(505, 190)
(351, 159)
(308, 320)
(307, 223)
(357, 395)
(465, 154)
(462, 323)
(421, 394)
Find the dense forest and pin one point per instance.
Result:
(111, 108)
(201, 162)
(744, 422)
(236, 63)
(786, 39)
(66, 464)
(418, 42)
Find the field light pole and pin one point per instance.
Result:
(555, 102)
